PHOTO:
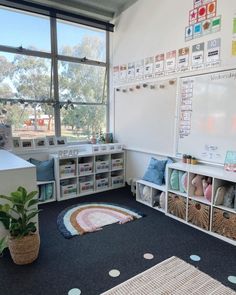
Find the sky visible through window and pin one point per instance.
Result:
(26, 30)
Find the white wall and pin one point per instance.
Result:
(158, 26)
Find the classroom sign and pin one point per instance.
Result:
(202, 19)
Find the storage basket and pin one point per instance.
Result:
(24, 250)
(224, 223)
(177, 205)
(199, 214)
(85, 168)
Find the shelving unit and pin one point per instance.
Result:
(46, 191)
(88, 173)
(152, 198)
(197, 211)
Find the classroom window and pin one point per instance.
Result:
(80, 41)
(28, 77)
(81, 83)
(25, 30)
(81, 122)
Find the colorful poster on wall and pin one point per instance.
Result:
(202, 19)
(197, 30)
(159, 64)
(211, 9)
(197, 3)
(123, 72)
(234, 25)
(148, 68)
(170, 62)
(206, 27)
(183, 59)
(131, 71)
(139, 69)
(216, 24)
(198, 56)
(202, 12)
(234, 48)
(213, 52)
(193, 16)
(116, 74)
(188, 33)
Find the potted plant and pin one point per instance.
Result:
(3, 245)
(16, 215)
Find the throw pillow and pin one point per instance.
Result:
(184, 182)
(169, 161)
(181, 187)
(174, 180)
(155, 171)
(229, 196)
(44, 169)
(162, 200)
(219, 197)
(197, 183)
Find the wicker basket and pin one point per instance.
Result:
(199, 214)
(224, 223)
(177, 205)
(24, 250)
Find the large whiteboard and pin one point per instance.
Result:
(207, 116)
(145, 119)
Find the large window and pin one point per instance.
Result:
(49, 80)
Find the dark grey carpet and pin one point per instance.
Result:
(84, 261)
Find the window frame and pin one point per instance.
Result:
(55, 58)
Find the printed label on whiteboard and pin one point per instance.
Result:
(148, 68)
(170, 61)
(213, 52)
(183, 59)
(139, 69)
(198, 55)
(159, 64)
(123, 72)
(131, 71)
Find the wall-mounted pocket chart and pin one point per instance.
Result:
(207, 116)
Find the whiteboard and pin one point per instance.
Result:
(145, 119)
(207, 116)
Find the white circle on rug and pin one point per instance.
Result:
(148, 256)
(232, 279)
(114, 273)
(195, 258)
(74, 291)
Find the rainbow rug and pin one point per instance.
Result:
(90, 217)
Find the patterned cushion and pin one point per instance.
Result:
(155, 171)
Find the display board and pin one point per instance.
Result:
(145, 118)
(207, 116)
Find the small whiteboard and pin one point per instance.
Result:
(145, 119)
(207, 116)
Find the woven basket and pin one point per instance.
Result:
(24, 250)
(199, 214)
(177, 205)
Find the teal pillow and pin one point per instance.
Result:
(181, 187)
(155, 171)
(169, 161)
(174, 180)
(44, 169)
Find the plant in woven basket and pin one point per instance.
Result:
(17, 216)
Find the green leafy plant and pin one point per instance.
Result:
(3, 245)
(17, 213)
